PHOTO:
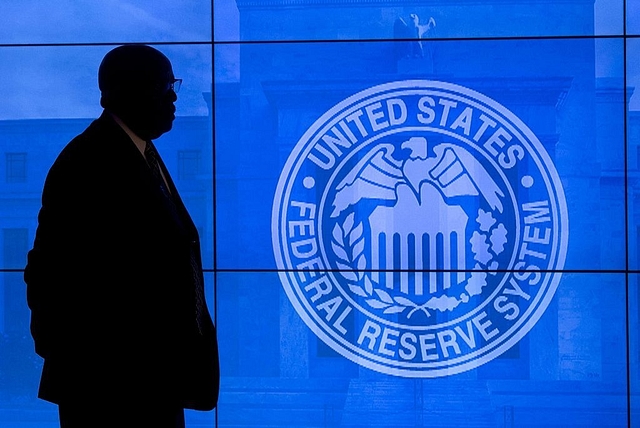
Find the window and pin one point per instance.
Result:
(188, 164)
(16, 167)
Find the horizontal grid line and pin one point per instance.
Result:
(296, 41)
(90, 44)
(267, 270)
(604, 271)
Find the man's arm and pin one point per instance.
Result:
(59, 259)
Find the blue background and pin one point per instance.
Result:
(257, 74)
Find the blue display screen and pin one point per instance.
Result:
(410, 215)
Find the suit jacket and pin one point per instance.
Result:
(110, 285)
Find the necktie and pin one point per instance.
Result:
(152, 156)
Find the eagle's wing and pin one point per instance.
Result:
(428, 30)
(374, 177)
(458, 173)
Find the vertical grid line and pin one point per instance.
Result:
(213, 187)
(626, 207)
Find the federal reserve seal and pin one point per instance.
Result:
(419, 228)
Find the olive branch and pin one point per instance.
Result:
(348, 245)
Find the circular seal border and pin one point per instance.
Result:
(523, 324)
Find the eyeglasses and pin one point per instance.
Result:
(175, 85)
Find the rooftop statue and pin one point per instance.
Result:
(413, 32)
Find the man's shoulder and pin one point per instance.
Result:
(93, 151)
(102, 130)
(100, 138)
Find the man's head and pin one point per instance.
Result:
(136, 85)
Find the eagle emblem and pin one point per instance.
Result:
(419, 228)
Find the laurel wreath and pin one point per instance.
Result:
(348, 245)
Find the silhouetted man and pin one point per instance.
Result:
(114, 279)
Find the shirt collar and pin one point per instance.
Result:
(139, 142)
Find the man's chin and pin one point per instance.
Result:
(162, 129)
